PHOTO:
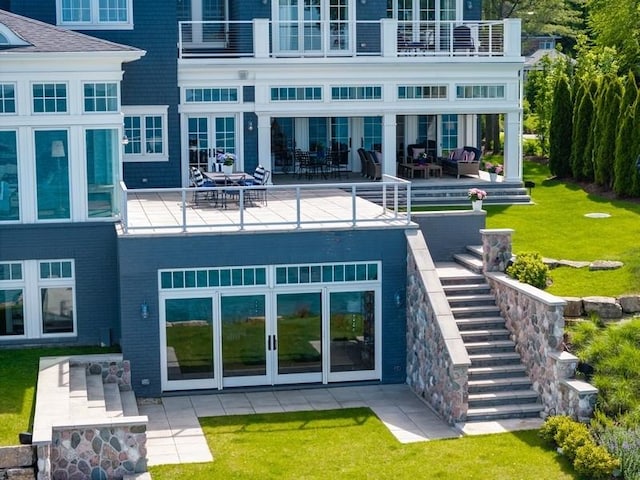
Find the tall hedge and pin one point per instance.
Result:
(561, 129)
(626, 152)
(581, 165)
(579, 91)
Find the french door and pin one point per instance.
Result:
(308, 26)
(266, 338)
(208, 134)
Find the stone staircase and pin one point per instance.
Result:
(453, 192)
(88, 399)
(499, 387)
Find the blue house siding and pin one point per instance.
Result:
(92, 246)
(447, 233)
(141, 258)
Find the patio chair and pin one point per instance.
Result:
(374, 165)
(364, 161)
(198, 181)
(261, 177)
(462, 41)
(303, 162)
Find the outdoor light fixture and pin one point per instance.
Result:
(144, 310)
(125, 140)
(363, 2)
(250, 126)
(469, 5)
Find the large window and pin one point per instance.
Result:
(95, 14)
(9, 193)
(102, 159)
(49, 97)
(52, 174)
(145, 128)
(37, 299)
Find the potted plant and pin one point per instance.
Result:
(494, 170)
(476, 196)
(227, 163)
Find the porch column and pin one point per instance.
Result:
(264, 142)
(261, 37)
(389, 166)
(512, 147)
(389, 37)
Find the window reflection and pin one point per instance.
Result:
(352, 321)
(57, 310)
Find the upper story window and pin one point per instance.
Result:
(368, 92)
(145, 128)
(406, 92)
(49, 97)
(95, 14)
(101, 97)
(480, 91)
(7, 98)
(296, 93)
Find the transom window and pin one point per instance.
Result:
(331, 273)
(101, 97)
(50, 97)
(213, 277)
(145, 129)
(407, 92)
(211, 95)
(480, 91)
(296, 93)
(7, 98)
(95, 13)
(368, 92)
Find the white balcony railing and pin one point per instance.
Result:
(287, 207)
(262, 38)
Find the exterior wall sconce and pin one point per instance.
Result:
(264, 2)
(469, 4)
(144, 310)
(363, 2)
(125, 140)
(250, 126)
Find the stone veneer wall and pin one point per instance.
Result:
(536, 322)
(17, 463)
(118, 372)
(437, 361)
(96, 452)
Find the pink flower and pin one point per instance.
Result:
(476, 194)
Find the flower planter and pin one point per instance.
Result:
(227, 169)
(493, 176)
(476, 205)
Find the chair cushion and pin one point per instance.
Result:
(416, 152)
(377, 156)
(196, 177)
(468, 156)
(259, 175)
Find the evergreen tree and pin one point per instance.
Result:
(576, 150)
(624, 166)
(561, 130)
(582, 139)
(606, 128)
(588, 122)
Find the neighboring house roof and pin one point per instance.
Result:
(40, 37)
(532, 60)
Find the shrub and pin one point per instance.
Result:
(576, 438)
(594, 462)
(551, 425)
(529, 268)
(531, 147)
(625, 445)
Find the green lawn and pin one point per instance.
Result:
(18, 375)
(353, 444)
(556, 227)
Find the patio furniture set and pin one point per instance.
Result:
(218, 189)
(421, 161)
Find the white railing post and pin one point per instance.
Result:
(261, 38)
(512, 37)
(389, 37)
(353, 206)
(123, 207)
(184, 210)
(298, 213)
(241, 207)
(408, 202)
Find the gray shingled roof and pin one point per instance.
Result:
(43, 37)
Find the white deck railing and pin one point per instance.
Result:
(262, 38)
(167, 210)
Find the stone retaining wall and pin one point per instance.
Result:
(437, 361)
(112, 371)
(17, 463)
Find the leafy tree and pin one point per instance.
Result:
(561, 129)
(615, 25)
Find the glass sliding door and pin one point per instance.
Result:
(189, 343)
(208, 134)
(9, 192)
(244, 341)
(298, 337)
(102, 159)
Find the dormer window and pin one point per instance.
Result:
(9, 39)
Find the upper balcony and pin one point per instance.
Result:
(262, 38)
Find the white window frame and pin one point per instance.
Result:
(144, 111)
(84, 98)
(31, 285)
(3, 99)
(94, 23)
(33, 98)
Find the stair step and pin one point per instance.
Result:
(466, 288)
(485, 334)
(501, 412)
(475, 311)
(95, 396)
(475, 323)
(112, 401)
(78, 389)
(129, 404)
(504, 397)
(486, 372)
(499, 384)
(492, 359)
(476, 299)
(475, 250)
(489, 347)
(471, 262)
